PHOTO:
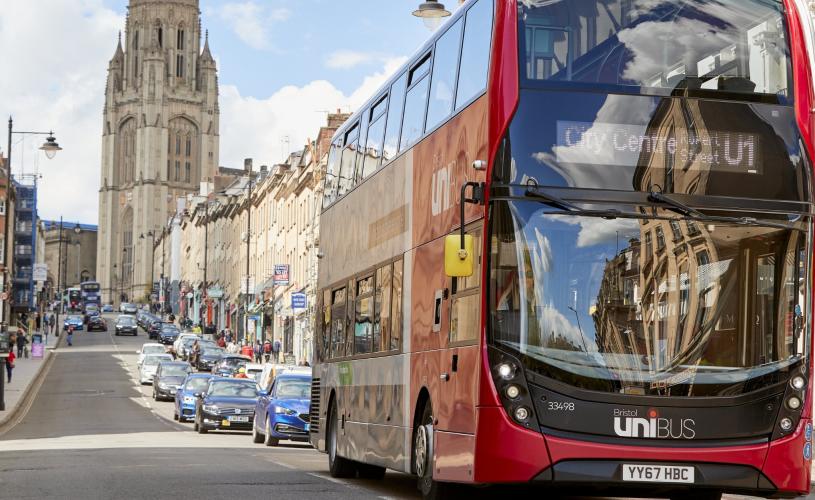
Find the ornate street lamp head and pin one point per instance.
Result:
(50, 146)
(432, 12)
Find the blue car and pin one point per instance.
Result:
(195, 383)
(74, 320)
(282, 411)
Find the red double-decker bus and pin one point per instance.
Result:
(570, 244)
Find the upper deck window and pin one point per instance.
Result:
(736, 47)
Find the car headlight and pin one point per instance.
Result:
(285, 411)
(210, 408)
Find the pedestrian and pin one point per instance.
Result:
(228, 336)
(52, 322)
(196, 352)
(258, 348)
(222, 342)
(21, 343)
(276, 351)
(10, 365)
(38, 321)
(267, 350)
(70, 337)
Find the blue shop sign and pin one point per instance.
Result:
(299, 301)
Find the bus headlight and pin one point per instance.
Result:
(513, 392)
(506, 371)
(521, 414)
(798, 382)
(785, 424)
(793, 403)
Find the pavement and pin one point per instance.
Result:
(26, 373)
(93, 432)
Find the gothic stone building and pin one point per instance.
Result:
(159, 140)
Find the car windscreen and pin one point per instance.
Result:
(197, 384)
(234, 362)
(175, 370)
(155, 360)
(126, 321)
(209, 351)
(75, 318)
(293, 389)
(153, 349)
(235, 389)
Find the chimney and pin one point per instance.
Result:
(247, 165)
(264, 171)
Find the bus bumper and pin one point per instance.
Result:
(507, 453)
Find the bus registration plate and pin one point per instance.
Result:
(658, 473)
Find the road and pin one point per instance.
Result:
(94, 432)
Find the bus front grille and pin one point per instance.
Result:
(314, 411)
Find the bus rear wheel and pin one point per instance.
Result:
(423, 461)
(337, 466)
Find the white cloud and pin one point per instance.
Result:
(46, 85)
(348, 59)
(251, 21)
(255, 128)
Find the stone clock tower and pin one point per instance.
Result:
(159, 137)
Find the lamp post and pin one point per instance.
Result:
(432, 12)
(248, 241)
(78, 243)
(50, 147)
(162, 285)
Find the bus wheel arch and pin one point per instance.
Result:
(422, 401)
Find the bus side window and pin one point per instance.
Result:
(363, 321)
(394, 123)
(349, 320)
(396, 310)
(475, 52)
(415, 104)
(362, 149)
(443, 84)
(376, 133)
(325, 326)
(466, 303)
(332, 173)
(338, 307)
(349, 159)
(382, 304)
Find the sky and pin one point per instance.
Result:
(282, 65)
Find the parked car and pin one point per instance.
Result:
(282, 411)
(228, 403)
(126, 325)
(74, 320)
(168, 334)
(193, 386)
(254, 371)
(97, 324)
(169, 379)
(229, 364)
(154, 328)
(209, 357)
(179, 342)
(272, 370)
(150, 348)
(107, 308)
(150, 365)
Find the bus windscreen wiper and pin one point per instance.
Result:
(534, 191)
(695, 215)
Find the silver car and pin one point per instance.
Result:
(150, 365)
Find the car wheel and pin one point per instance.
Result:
(337, 466)
(175, 416)
(154, 394)
(257, 437)
(195, 425)
(268, 440)
(201, 429)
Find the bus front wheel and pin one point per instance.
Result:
(337, 466)
(423, 461)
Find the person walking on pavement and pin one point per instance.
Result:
(9, 365)
(276, 351)
(21, 342)
(267, 350)
(196, 351)
(70, 337)
(52, 322)
(258, 349)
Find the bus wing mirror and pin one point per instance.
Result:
(458, 258)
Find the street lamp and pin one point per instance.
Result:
(50, 147)
(432, 12)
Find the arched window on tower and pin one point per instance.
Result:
(126, 151)
(179, 66)
(180, 41)
(183, 150)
